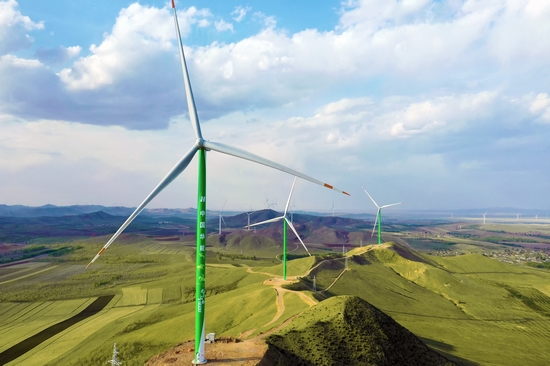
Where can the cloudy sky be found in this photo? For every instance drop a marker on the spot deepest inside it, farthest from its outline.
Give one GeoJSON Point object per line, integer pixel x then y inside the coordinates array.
{"type": "Point", "coordinates": [442, 104]}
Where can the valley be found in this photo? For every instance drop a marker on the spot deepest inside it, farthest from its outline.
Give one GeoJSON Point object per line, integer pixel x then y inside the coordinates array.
{"type": "Point", "coordinates": [467, 306]}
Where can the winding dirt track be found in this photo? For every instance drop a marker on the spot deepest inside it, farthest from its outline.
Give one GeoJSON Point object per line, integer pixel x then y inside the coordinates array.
{"type": "Point", "coordinates": [250, 351]}
{"type": "Point", "coordinates": [277, 283]}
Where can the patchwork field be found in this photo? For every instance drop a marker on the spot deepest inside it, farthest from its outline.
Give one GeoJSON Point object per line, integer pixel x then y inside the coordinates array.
{"type": "Point", "coordinates": [472, 309]}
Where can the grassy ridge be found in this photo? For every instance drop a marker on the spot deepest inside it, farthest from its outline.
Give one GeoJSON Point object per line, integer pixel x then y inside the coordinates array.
{"type": "Point", "coordinates": [461, 306]}
{"type": "Point", "coordinates": [347, 330]}
{"type": "Point", "coordinates": [468, 306]}
{"type": "Point", "coordinates": [153, 309]}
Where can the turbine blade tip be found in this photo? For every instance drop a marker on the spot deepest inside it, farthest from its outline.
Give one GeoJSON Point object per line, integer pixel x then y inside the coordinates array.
{"type": "Point", "coordinates": [89, 264]}
{"type": "Point", "coordinates": [173, 5]}
{"type": "Point", "coordinates": [346, 193]}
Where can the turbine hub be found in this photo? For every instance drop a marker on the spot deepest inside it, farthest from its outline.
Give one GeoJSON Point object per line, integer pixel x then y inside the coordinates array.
{"type": "Point", "coordinates": [200, 142]}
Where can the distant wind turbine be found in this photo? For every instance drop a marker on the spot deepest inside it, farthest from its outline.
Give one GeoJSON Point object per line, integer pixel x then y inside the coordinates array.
{"type": "Point", "coordinates": [270, 204]}
{"type": "Point", "coordinates": [292, 212]}
{"type": "Point", "coordinates": [221, 219]}
{"type": "Point", "coordinates": [200, 148]}
{"type": "Point", "coordinates": [286, 222]}
{"type": "Point", "coordinates": [248, 213]}
{"type": "Point", "coordinates": [379, 216]}
{"type": "Point", "coordinates": [484, 217]}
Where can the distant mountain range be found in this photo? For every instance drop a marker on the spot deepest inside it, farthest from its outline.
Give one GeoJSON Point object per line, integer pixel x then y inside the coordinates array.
{"type": "Point", "coordinates": [57, 211]}
{"type": "Point", "coordinates": [190, 213]}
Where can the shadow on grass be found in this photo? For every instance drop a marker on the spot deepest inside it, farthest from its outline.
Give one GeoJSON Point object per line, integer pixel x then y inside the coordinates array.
{"type": "Point", "coordinates": [444, 348]}
{"type": "Point", "coordinates": [25, 346]}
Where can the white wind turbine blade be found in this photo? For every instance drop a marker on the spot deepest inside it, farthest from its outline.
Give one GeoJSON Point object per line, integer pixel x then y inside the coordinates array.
{"type": "Point", "coordinates": [372, 199]}
{"type": "Point", "coordinates": [296, 233]}
{"type": "Point", "coordinates": [176, 170]}
{"type": "Point", "coordinates": [233, 151]}
{"type": "Point", "coordinates": [275, 219]}
{"type": "Point", "coordinates": [289, 197]}
{"type": "Point", "coordinates": [393, 204]}
{"type": "Point", "coordinates": [375, 221]}
{"type": "Point", "coordinates": [188, 92]}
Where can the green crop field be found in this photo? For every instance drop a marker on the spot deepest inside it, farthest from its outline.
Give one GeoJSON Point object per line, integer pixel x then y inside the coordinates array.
{"type": "Point", "coordinates": [469, 307]}
{"type": "Point", "coordinates": [152, 311]}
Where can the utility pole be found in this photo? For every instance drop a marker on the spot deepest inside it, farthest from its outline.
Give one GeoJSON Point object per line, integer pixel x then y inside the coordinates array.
{"type": "Point", "coordinates": [114, 361]}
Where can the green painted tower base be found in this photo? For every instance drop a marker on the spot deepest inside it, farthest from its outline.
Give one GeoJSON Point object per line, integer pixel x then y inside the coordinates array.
{"type": "Point", "coordinates": [284, 250]}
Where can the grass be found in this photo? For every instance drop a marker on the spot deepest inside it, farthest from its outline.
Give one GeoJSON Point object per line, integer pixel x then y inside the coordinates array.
{"type": "Point", "coordinates": [470, 306]}
{"type": "Point", "coordinates": [347, 331]}
{"type": "Point", "coordinates": [153, 309]}
{"type": "Point", "coordinates": [132, 296]}
{"type": "Point", "coordinates": [295, 267]}
{"type": "Point", "coordinates": [21, 319]}
{"type": "Point", "coordinates": [460, 303]}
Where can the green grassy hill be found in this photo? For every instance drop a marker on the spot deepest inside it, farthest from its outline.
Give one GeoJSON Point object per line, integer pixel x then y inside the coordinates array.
{"type": "Point", "coordinates": [346, 330]}
{"type": "Point", "coordinates": [468, 307]}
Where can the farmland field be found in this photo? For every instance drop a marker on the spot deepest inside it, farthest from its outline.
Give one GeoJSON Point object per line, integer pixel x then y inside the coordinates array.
{"type": "Point", "coordinates": [471, 308]}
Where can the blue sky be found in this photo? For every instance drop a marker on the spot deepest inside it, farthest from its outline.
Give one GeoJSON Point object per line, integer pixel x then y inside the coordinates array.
{"type": "Point", "coordinates": [443, 105]}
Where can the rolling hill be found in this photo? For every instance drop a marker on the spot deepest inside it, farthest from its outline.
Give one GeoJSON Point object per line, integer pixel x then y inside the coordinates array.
{"type": "Point", "coordinates": [347, 330]}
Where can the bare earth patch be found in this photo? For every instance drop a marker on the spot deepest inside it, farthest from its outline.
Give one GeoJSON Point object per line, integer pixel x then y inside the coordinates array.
{"type": "Point", "coordinates": [248, 352]}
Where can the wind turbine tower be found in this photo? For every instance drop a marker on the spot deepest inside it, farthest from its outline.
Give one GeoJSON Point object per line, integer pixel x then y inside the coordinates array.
{"type": "Point", "coordinates": [286, 222]}
{"type": "Point", "coordinates": [314, 284]}
{"type": "Point", "coordinates": [199, 148]}
{"type": "Point", "coordinates": [221, 219]}
{"type": "Point", "coordinates": [379, 216]}
{"type": "Point", "coordinates": [292, 212]}
{"type": "Point", "coordinates": [248, 214]}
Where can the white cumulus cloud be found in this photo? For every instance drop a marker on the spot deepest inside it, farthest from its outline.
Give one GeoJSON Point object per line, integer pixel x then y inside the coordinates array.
{"type": "Point", "coordinates": [14, 27]}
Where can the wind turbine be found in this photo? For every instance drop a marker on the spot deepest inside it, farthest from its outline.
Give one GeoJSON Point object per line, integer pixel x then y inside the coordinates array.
{"type": "Point", "coordinates": [292, 211]}
{"type": "Point", "coordinates": [484, 217]}
{"type": "Point", "coordinates": [270, 204]}
{"type": "Point", "coordinates": [248, 214]}
{"type": "Point", "coordinates": [200, 148]}
{"type": "Point", "coordinates": [286, 222]}
{"type": "Point", "coordinates": [221, 218]}
{"type": "Point", "coordinates": [379, 216]}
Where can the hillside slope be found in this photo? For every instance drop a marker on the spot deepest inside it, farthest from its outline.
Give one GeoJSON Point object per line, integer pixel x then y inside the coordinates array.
{"type": "Point", "coordinates": [347, 330]}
